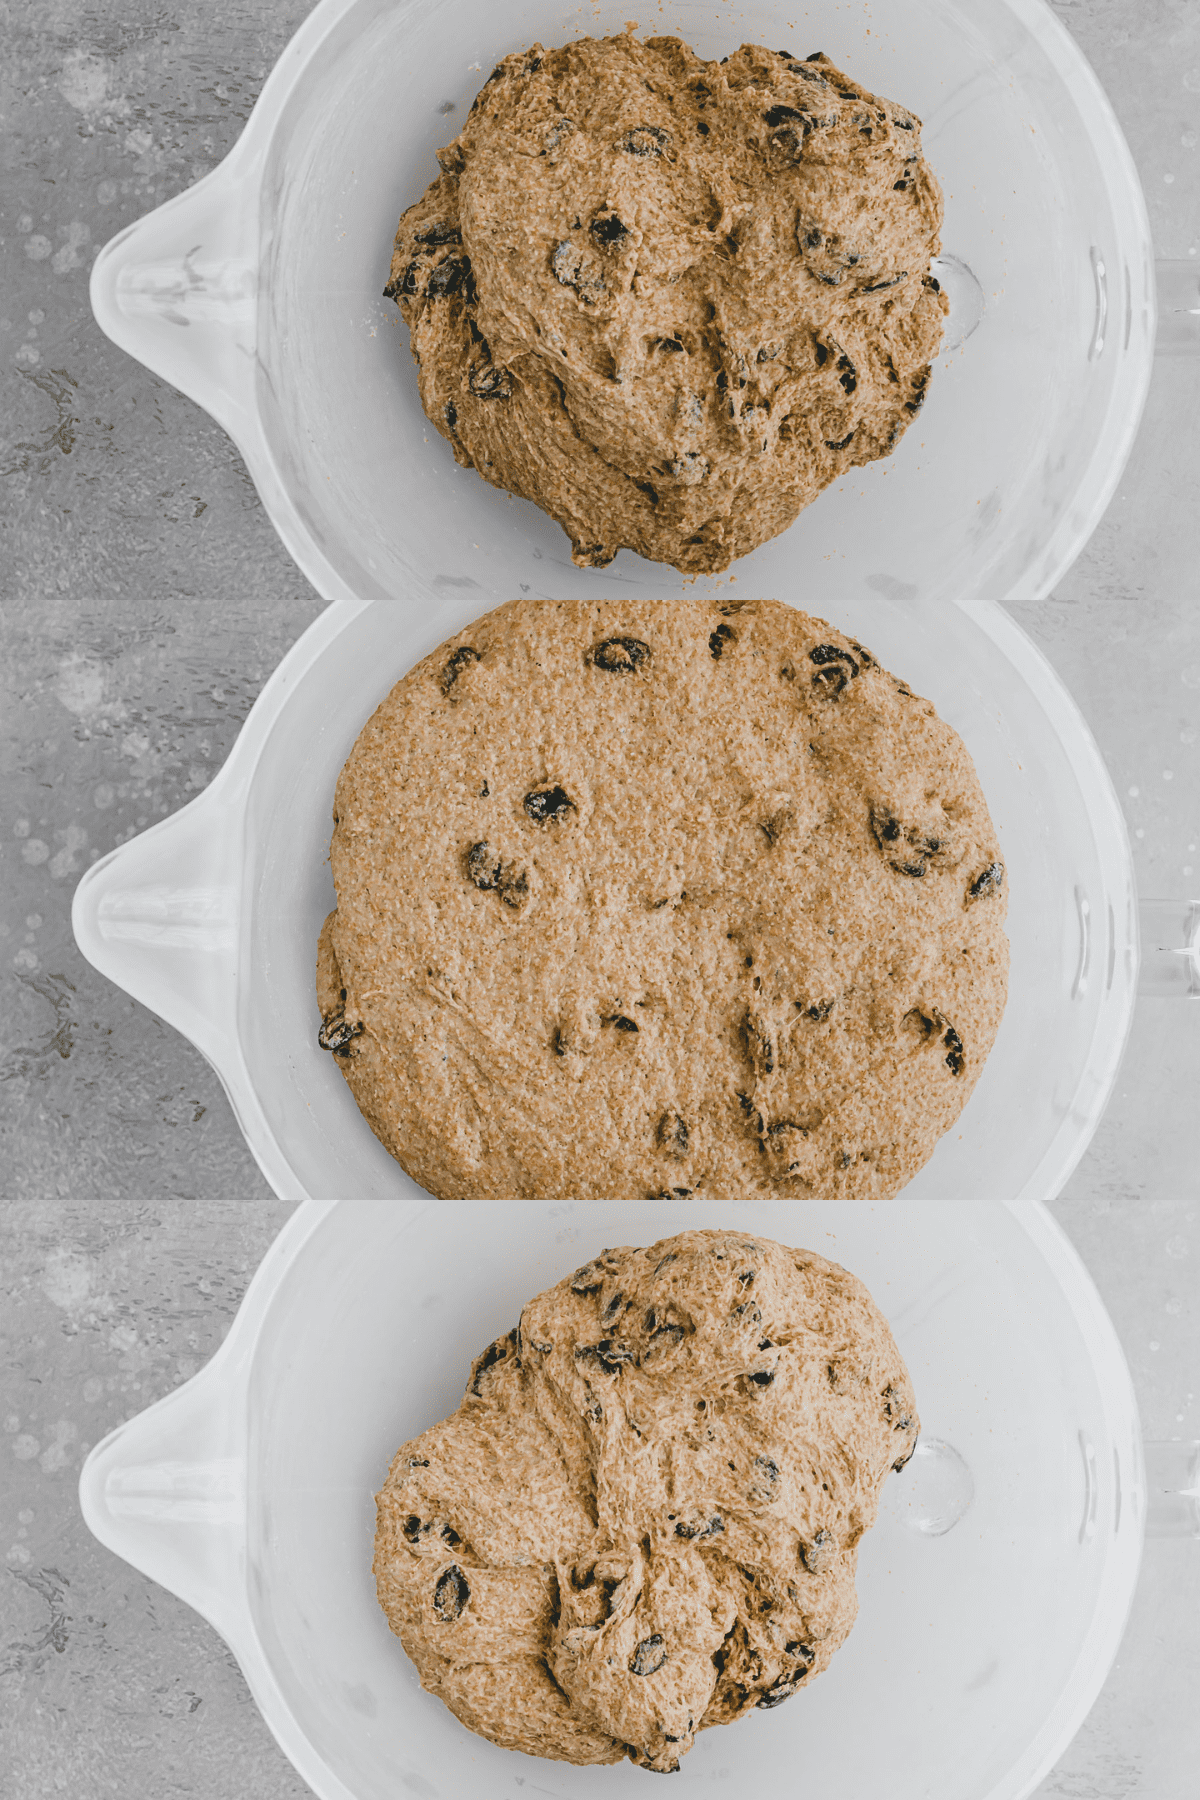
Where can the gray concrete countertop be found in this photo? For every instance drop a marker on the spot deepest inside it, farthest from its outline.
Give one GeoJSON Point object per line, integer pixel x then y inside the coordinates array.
{"type": "Point", "coordinates": [110, 1685]}
{"type": "Point", "coordinates": [147, 597]}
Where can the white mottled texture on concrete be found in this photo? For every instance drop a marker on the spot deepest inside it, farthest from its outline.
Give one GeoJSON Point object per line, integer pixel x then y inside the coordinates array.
{"type": "Point", "coordinates": [110, 1685]}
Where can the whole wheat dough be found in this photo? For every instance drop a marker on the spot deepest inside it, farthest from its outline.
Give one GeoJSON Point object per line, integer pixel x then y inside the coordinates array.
{"type": "Point", "coordinates": [671, 300]}
{"type": "Point", "coordinates": [643, 1519]}
{"type": "Point", "coordinates": [638, 897]}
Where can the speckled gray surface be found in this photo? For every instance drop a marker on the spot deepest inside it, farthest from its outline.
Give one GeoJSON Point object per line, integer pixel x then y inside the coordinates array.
{"type": "Point", "coordinates": [146, 598]}
{"type": "Point", "coordinates": [110, 1685]}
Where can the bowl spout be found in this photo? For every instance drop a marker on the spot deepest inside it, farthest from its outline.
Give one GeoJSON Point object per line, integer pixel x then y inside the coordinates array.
{"type": "Point", "coordinates": [179, 291]}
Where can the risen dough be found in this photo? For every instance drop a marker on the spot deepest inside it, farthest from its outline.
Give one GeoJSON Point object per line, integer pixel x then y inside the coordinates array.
{"type": "Point", "coordinates": [672, 300]}
{"type": "Point", "coordinates": [643, 1519]}
{"type": "Point", "coordinates": [638, 896]}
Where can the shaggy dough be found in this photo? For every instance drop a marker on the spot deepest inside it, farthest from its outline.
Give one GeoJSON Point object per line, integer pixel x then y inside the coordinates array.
{"type": "Point", "coordinates": [643, 1519]}
{"type": "Point", "coordinates": [641, 896]}
{"type": "Point", "coordinates": [671, 300]}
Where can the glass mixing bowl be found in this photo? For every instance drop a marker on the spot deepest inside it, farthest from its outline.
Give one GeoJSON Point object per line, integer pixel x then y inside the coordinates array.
{"type": "Point", "coordinates": [993, 1589]}
{"type": "Point", "coordinates": [211, 917]}
{"type": "Point", "coordinates": [258, 292]}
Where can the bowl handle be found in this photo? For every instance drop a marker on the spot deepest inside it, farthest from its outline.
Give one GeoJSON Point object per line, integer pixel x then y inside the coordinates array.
{"type": "Point", "coordinates": [161, 917]}
{"type": "Point", "coordinates": [1178, 288]}
{"type": "Point", "coordinates": [178, 290]}
{"type": "Point", "coordinates": [166, 1491]}
{"type": "Point", "coordinates": [1170, 934]}
{"type": "Point", "coordinates": [1173, 1489]}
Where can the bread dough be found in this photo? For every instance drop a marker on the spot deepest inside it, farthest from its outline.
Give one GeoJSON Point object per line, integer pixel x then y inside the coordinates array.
{"type": "Point", "coordinates": [639, 897]}
{"type": "Point", "coordinates": [643, 1519]}
{"type": "Point", "coordinates": [671, 300]}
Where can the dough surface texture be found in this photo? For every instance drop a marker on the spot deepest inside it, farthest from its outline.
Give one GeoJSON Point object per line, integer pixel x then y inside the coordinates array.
{"type": "Point", "coordinates": [643, 1519]}
{"type": "Point", "coordinates": [669, 300]}
{"type": "Point", "coordinates": [641, 897]}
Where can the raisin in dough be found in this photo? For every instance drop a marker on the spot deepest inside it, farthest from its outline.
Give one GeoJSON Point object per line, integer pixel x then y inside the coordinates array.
{"type": "Point", "coordinates": [638, 897]}
{"type": "Point", "coordinates": [671, 300]}
{"type": "Point", "coordinates": [643, 1519]}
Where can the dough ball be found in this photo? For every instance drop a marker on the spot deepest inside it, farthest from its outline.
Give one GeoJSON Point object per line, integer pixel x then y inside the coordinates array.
{"type": "Point", "coordinates": [671, 300]}
{"type": "Point", "coordinates": [644, 1517]}
{"type": "Point", "coordinates": [641, 897]}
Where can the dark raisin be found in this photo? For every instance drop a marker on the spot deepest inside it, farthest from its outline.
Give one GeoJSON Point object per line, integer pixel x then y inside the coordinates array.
{"type": "Point", "coordinates": [933, 282]}
{"type": "Point", "coordinates": [450, 1595]}
{"type": "Point", "coordinates": [620, 655]}
{"type": "Point", "coordinates": [802, 1652]}
{"type": "Point", "coordinates": [336, 1035]}
{"type": "Point", "coordinates": [673, 1135]}
{"type": "Point", "coordinates": [721, 636]}
{"type": "Point", "coordinates": [483, 866]}
{"type": "Point", "coordinates": [487, 382]}
{"type": "Point", "coordinates": [649, 1656]}
{"type": "Point", "coordinates": [835, 668]}
{"type": "Point", "coordinates": [451, 414]}
{"type": "Point", "coordinates": [746, 1277]}
{"type": "Point", "coordinates": [989, 882]}
{"type": "Point", "coordinates": [818, 1555]}
{"type": "Point", "coordinates": [822, 353]}
{"type": "Point", "coordinates": [841, 442]}
{"type": "Point", "coordinates": [846, 370]}
{"type": "Point", "coordinates": [415, 1528]}
{"type": "Point", "coordinates": [403, 284]}
{"type": "Point", "coordinates": [767, 1468]}
{"type": "Point", "coordinates": [609, 1355]}
{"type": "Point", "coordinates": [588, 1279]}
{"type": "Point", "coordinates": [818, 1011]}
{"type": "Point", "coordinates": [440, 232]}
{"type": "Point", "coordinates": [646, 140]}
{"type": "Point", "coordinates": [497, 1352]}
{"type": "Point", "coordinates": [612, 1309]}
{"type": "Point", "coordinates": [778, 114]}
{"type": "Point", "coordinates": [919, 386]}
{"type": "Point", "coordinates": [905, 1459]}
{"type": "Point", "coordinates": [877, 287]}
{"type": "Point", "coordinates": [608, 230]}
{"type": "Point", "coordinates": [546, 806]}
{"type": "Point", "coordinates": [888, 831]}
{"type": "Point", "coordinates": [707, 1528]}
{"type": "Point", "coordinates": [702, 128]}
{"type": "Point", "coordinates": [895, 1409]}
{"type": "Point", "coordinates": [621, 1022]}
{"type": "Point", "coordinates": [456, 662]}
{"type": "Point", "coordinates": [447, 278]}
{"type": "Point", "coordinates": [900, 187]}
{"type": "Point", "coordinates": [775, 1696]}
{"type": "Point", "coordinates": [817, 56]}
{"type": "Point", "coordinates": [763, 1377]}
{"type": "Point", "coordinates": [956, 1060]}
